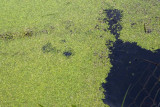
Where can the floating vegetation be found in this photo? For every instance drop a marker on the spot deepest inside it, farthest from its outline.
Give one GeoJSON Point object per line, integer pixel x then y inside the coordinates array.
{"type": "Point", "coordinates": [134, 79]}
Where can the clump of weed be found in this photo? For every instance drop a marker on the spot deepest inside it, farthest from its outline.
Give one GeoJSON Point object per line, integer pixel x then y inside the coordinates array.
{"type": "Point", "coordinates": [7, 36]}
{"type": "Point", "coordinates": [28, 32]}
{"type": "Point", "coordinates": [12, 35]}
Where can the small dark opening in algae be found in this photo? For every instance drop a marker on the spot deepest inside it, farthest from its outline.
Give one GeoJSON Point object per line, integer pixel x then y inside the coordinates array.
{"type": "Point", "coordinates": [67, 54]}
{"type": "Point", "coordinates": [134, 79]}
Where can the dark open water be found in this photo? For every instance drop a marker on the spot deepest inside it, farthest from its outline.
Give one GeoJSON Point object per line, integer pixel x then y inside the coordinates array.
{"type": "Point", "coordinates": [134, 79]}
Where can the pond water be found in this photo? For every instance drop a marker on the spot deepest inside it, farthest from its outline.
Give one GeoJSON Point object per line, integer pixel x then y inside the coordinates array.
{"type": "Point", "coordinates": [134, 79]}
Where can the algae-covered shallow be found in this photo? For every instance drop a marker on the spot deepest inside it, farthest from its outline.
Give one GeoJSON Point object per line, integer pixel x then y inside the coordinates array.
{"type": "Point", "coordinates": [53, 53]}
{"type": "Point", "coordinates": [47, 53]}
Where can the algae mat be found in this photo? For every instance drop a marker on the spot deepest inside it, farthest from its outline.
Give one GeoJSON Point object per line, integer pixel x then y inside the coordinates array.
{"type": "Point", "coordinates": [53, 53]}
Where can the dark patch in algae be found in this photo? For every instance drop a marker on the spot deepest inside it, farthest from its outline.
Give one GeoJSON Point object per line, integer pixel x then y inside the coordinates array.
{"type": "Point", "coordinates": [113, 19]}
{"type": "Point", "coordinates": [134, 79]}
{"type": "Point", "coordinates": [68, 52]}
{"type": "Point", "coordinates": [48, 48]}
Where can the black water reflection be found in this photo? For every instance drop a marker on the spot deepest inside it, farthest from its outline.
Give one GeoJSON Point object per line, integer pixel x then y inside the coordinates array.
{"type": "Point", "coordinates": [134, 79]}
